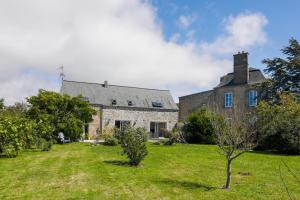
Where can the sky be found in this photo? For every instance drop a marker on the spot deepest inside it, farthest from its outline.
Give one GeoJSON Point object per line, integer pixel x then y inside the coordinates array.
{"type": "Point", "coordinates": [183, 46]}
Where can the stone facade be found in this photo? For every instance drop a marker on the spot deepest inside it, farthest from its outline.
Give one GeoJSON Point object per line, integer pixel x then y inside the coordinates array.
{"type": "Point", "coordinates": [239, 84]}
{"type": "Point", "coordinates": [106, 117]}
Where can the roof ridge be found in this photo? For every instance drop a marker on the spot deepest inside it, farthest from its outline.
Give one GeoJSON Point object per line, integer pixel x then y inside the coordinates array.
{"type": "Point", "coordinates": [116, 85]}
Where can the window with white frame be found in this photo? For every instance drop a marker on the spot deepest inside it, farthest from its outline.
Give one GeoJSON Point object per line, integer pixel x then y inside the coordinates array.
{"type": "Point", "coordinates": [228, 100]}
{"type": "Point", "coordinates": [252, 98]}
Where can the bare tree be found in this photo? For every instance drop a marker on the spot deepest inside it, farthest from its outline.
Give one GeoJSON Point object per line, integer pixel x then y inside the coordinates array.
{"type": "Point", "coordinates": [233, 138]}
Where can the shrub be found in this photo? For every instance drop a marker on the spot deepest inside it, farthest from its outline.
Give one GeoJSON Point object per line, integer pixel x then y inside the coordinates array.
{"type": "Point", "coordinates": [199, 129]}
{"type": "Point", "coordinates": [133, 143]}
{"type": "Point", "coordinates": [111, 142]}
{"type": "Point", "coordinates": [108, 133]}
{"type": "Point", "coordinates": [15, 134]}
{"type": "Point", "coordinates": [278, 126]}
{"type": "Point", "coordinates": [43, 144]}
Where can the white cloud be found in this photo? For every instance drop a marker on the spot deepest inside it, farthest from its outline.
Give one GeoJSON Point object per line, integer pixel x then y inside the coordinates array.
{"type": "Point", "coordinates": [242, 32]}
{"type": "Point", "coordinates": [185, 21]}
{"type": "Point", "coordinates": [115, 40]}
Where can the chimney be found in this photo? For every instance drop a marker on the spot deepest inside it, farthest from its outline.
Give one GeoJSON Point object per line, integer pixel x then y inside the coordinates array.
{"type": "Point", "coordinates": [240, 68]}
{"type": "Point", "coordinates": [105, 84]}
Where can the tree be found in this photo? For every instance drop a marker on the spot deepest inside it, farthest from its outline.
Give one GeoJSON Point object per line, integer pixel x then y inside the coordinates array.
{"type": "Point", "coordinates": [233, 139]}
{"type": "Point", "coordinates": [284, 73]}
{"type": "Point", "coordinates": [198, 128]}
{"type": "Point", "coordinates": [64, 113]}
{"type": "Point", "coordinates": [278, 126]}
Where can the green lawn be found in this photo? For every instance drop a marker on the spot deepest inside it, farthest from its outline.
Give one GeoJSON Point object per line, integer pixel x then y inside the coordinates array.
{"type": "Point", "coordinates": [84, 171]}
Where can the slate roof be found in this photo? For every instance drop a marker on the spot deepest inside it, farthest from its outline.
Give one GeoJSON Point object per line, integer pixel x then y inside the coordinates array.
{"type": "Point", "coordinates": [98, 94]}
{"type": "Point", "coordinates": [255, 76]}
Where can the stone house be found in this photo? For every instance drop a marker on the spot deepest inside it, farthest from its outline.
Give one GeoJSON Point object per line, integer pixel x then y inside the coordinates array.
{"type": "Point", "coordinates": [235, 95]}
{"type": "Point", "coordinates": [117, 106]}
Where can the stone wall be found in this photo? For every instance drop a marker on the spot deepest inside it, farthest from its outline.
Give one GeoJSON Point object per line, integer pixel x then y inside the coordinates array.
{"type": "Point", "coordinates": [94, 126]}
{"type": "Point", "coordinates": [141, 118]}
{"type": "Point", "coordinates": [214, 100]}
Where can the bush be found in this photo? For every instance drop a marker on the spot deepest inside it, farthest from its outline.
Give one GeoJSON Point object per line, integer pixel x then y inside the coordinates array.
{"type": "Point", "coordinates": [199, 129]}
{"type": "Point", "coordinates": [16, 133]}
{"type": "Point", "coordinates": [133, 142]}
{"type": "Point", "coordinates": [278, 126]}
{"type": "Point", "coordinates": [111, 142]}
{"type": "Point", "coordinates": [43, 144]}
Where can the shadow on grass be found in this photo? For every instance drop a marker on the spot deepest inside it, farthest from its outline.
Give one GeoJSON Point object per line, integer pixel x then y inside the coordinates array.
{"type": "Point", "coordinates": [270, 152]}
{"type": "Point", "coordinates": [118, 163]}
{"type": "Point", "coordinates": [187, 184]}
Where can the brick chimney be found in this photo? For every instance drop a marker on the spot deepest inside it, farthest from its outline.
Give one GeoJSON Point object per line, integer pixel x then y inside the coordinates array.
{"type": "Point", "coordinates": [240, 68]}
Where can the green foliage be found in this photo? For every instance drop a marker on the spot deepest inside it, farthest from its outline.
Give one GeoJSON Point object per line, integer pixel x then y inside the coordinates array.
{"type": "Point", "coordinates": [199, 129]}
{"type": "Point", "coordinates": [278, 126]}
{"type": "Point", "coordinates": [284, 73]}
{"type": "Point", "coordinates": [133, 142]}
{"type": "Point", "coordinates": [111, 141]}
{"type": "Point", "coordinates": [59, 113]}
{"type": "Point", "coordinates": [174, 136]}
{"type": "Point", "coordinates": [43, 144]}
{"type": "Point", "coordinates": [16, 133]}
{"type": "Point", "coordinates": [1, 104]}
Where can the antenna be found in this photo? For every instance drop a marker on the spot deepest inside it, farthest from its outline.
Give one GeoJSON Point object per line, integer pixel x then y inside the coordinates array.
{"type": "Point", "coordinates": [61, 73]}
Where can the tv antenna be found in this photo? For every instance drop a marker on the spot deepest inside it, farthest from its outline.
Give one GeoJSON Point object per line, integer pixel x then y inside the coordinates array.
{"type": "Point", "coordinates": [61, 73]}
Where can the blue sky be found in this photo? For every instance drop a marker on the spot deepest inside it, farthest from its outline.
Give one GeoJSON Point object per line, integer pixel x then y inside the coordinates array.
{"type": "Point", "coordinates": [283, 21]}
{"type": "Point", "coordinates": [181, 45]}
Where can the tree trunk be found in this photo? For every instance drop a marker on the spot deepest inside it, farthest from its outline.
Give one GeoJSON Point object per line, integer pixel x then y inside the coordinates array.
{"type": "Point", "coordinates": [227, 186]}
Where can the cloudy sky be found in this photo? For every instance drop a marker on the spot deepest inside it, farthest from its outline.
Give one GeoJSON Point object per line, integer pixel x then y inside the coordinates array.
{"type": "Point", "coordinates": [184, 46]}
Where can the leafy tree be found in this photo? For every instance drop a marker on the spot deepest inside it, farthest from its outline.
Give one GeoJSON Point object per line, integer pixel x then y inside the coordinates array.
{"type": "Point", "coordinates": [284, 73]}
{"type": "Point", "coordinates": [15, 134]}
{"type": "Point", "coordinates": [198, 129]}
{"type": "Point", "coordinates": [233, 139]}
{"type": "Point", "coordinates": [133, 142]}
{"type": "Point", "coordinates": [61, 112]}
{"type": "Point", "coordinates": [278, 126]}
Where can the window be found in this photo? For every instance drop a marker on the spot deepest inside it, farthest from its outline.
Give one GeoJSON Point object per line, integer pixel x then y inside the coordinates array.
{"type": "Point", "coordinates": [228, 100]}
{"type": "Point", "coordinates": [113, 102]}
{"type": "Point", "coordinates": [157, 104]}
{"type": "Point", "coordinates": [129, 103]}
{"type": "Point", "coordinates": [252, 98]}
{"type": "Point", "coordinates": [121, 124]}
{"type": "Point", "coordinates": [157, 129]}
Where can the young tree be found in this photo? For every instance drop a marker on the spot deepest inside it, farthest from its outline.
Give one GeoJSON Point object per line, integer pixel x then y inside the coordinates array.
{"type": "Point", "coordinates": [233, 139]}
{"type": "Point", "coordinates": [284, 73]}
{"type": "Point", "coordinates": [133, 142]}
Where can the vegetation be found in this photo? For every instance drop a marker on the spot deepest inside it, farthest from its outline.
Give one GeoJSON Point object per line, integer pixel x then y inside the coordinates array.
{"type": "Point", "coordinates": [37, 125]}
{"type": "Point", "coordinates": [64, 113]}
{"type": "Point", "coordinates": [284, 73]}
{"type": "Point", "coordinates": [278, 126]}
{"type": "Point", "coordinates": [233, 138]}
{"type": "Point", "coordinates": [84, 171]}
{"type": "Point", "coordinates": [198, 129]}
{"type": "Point", "coordinates": [133, 142]}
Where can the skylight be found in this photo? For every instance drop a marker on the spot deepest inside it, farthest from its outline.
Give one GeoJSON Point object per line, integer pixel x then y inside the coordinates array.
{"type": "Point", "coordinates": [157, 104]}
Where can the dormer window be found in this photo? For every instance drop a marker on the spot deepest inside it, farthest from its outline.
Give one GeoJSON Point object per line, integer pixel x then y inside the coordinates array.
{"type": "Point", "coordinates": [156, 104]}
{"type": "Point", "coordinates": [129, 103]}
{"type": "Point", "coordinates": [113, 102]}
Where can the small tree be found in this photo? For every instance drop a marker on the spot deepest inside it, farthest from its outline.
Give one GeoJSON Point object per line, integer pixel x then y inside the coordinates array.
{"type": "Point", "coordinates": [133, 142]}
{"type": "Point", "coordinates": [233, 139]}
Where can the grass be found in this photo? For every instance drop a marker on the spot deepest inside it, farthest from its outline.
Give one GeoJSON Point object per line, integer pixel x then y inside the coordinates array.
{"type": "Point", "coordinates": [84, 171]}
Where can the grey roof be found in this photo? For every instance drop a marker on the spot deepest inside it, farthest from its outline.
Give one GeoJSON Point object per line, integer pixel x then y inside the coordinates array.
{"type": "Point", "coordinates": [255, 76]}
{"type": "Point", "coordinates": [98, 94]}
